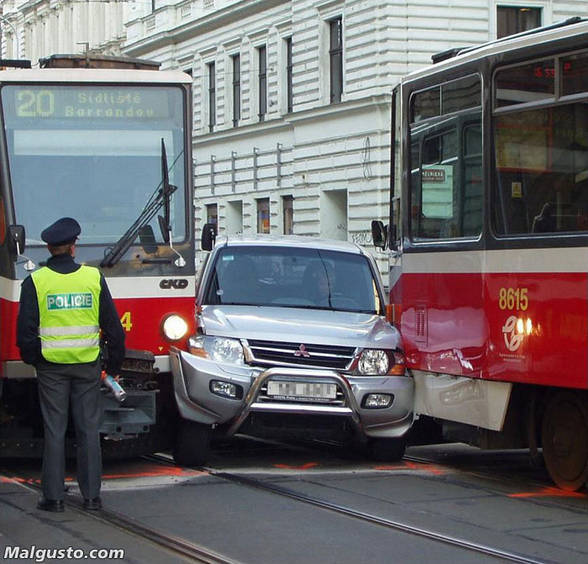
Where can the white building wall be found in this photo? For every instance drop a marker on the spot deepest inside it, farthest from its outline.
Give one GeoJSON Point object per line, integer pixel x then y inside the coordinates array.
{"type": "Point", "coordinates": [327, 156]}
{"type": "Point", "coordinates": [47, 27]}
{"type": "Point", "coordinates": [331, 155]}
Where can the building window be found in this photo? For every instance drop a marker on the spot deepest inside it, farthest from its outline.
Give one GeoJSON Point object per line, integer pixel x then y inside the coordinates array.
{"type": "Point", "coordinates": [262, 60]}
{"type": "Point", "coordinates": [211, 96]}
{"type": "Point", "coordinates": [236, 89]}
{"type": "Point", "coordinates": [289, 91]}
{"type": "Point", "coordinates": [288, 214]}
{"type": "Point", "coordinates": [336, 58]}
{"type": "Point", "coordinates": [263, 215]}
{"type": "Point", "coordinates": [515, 19]}
{"type": "Point", "coordinates": [212, 214]}
{"type": "Point", "coordinates": [234, 217]}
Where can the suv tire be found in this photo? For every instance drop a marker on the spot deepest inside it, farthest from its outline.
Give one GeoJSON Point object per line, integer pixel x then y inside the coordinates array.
{"type": "Point", "coordinates": [192, 446]}
{"type": "Point", "coordinates": [386, 450]}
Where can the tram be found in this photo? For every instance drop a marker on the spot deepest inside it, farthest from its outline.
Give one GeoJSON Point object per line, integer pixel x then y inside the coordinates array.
{"type": "Point", "coordinates": [488, 244]}
{"type": "Point", "coordinates": [107, 141]}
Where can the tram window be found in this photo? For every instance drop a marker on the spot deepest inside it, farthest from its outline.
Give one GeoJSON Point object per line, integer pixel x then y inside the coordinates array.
{"type": "Point", "coordinates": [434, 213]}
{"type": "Point", "coordinates": [449, 97]}
{"type": "Point", "coordinates": [574, 72]}
{"type": "Point", "coordinates": [525, 83]}
{"type": "Point", "coordinates": [461, 94]}
{"type": "Point", "coordinates": [473, 186]}
{"type": "Point", "coordinates": [426, 104]}
{"type": "Point", "coordinates": [541, 181]}
{"type": "Point", "coordinates": [447, 191]}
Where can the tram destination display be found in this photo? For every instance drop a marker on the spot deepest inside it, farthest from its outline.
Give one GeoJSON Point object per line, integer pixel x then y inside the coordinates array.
{"type": "Point", "coordinates": [83, 102]}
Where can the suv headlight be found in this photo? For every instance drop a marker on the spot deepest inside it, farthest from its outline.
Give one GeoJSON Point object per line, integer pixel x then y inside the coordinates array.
{"type": "Point", "coordinates": [219, 349]}
{"type": "Point", "coordinates": [378, 362]}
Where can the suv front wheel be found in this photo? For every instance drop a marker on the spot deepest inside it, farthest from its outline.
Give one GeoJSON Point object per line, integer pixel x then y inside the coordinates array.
{"type": "Point", "coordinates": [192, 444]}
{"type": "Point", "coordinates": [386, 450]}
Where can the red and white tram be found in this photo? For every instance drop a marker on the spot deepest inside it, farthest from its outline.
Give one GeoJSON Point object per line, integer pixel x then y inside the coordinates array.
{"type": "Point", "coordinates": [488, 242]}
{"type": "Point", "coordinates": [110, 145]}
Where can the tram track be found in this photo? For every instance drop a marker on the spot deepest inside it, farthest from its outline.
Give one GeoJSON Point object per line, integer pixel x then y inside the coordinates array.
{"type": "Point", "coordinates": [197, 553]}
{"type": "Point", "coordinates": [480, 549]}
{"type": "Point", "coordinates": [176, 545]}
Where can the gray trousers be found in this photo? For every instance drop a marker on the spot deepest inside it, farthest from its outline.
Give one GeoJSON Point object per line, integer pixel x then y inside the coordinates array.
{"type": "Point", "coordinates": [78, 385]}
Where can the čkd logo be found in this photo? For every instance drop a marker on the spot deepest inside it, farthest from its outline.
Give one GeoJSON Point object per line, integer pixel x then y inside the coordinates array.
{"type": "Point", "coordinates": [173, 284]}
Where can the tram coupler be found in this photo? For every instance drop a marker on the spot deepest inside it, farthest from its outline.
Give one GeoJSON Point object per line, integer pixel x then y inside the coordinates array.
{"type": "Point", "coordinates": [138, 412]}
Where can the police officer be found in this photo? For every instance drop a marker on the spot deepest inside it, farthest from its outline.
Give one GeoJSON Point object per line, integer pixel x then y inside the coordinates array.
{"type": "Point", "coordinates": [64, 308]}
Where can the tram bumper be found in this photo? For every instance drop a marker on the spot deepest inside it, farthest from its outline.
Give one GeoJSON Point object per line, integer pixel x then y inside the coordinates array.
{"type": "Point", "coordinates": [217, 394]}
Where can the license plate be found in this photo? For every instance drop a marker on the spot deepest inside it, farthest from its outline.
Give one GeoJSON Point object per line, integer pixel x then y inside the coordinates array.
{"type": "Point", "coordinates": [301, 390]}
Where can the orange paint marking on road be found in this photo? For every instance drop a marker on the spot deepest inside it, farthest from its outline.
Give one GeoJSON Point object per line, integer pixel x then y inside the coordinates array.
{"type": "Point", "coordinates": [18, 480]}
{"type": "Point", "coordinates": [11, 480]}
{"type": "Point", "coordinates": [306, 466]}
{"type": "Point", "coordinates": [548, 492]}
{"type": "Point", "coordinates": [408, 465]}
{"type": "Point", "coordinates": [155, 472]}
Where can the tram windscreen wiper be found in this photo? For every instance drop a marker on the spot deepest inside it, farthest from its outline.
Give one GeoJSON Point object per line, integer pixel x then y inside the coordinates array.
{"type": "Point", "coordinates": [160, 198]}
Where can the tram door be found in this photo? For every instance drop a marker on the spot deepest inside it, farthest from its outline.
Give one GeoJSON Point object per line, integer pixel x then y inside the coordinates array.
{"type": "Point", "coordinates": [443, 323]}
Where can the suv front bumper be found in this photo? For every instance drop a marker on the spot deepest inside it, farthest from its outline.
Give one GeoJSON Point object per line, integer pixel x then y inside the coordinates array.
{"type": "Point", "coordinates": [193, 376]}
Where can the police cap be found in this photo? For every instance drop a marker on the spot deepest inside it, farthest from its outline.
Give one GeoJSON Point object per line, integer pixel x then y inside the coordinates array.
{"type": "Point", "coordinates": [62, 232]}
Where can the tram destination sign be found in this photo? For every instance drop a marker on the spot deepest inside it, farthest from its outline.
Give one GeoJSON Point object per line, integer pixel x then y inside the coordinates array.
{"type": "Point", "coordinates": [81, 102]}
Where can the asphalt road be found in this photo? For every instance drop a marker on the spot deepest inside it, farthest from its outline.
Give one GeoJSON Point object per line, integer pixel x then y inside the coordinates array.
{"type": "Point", "coordinates": [495, 500]}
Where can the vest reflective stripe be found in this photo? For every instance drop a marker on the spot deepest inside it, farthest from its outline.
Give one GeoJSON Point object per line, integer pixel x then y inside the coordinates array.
{"type": "Point", "coordinates": [67, 343]}
{"type": "Point", "coordinates": [63, 331]}
{"type": "Point", "coordinates": [68, 314]}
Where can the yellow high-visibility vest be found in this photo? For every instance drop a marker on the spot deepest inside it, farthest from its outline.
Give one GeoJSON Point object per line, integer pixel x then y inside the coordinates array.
{"type": "Point", "coordinates": [69, 325]}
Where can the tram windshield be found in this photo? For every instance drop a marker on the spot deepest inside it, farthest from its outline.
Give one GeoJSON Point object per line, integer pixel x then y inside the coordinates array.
{"type": "Point", "coordinates": [93, 153]}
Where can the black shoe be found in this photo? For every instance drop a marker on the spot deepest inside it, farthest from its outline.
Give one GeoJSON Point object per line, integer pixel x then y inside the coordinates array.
{"type": "Point", "coordinates": [54, 505]}
{"type": "Point", "coordinates": [93, 504]}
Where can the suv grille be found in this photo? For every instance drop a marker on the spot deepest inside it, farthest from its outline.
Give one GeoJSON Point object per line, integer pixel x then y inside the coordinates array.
{"type": "Point", "coordinates": [272, 353]}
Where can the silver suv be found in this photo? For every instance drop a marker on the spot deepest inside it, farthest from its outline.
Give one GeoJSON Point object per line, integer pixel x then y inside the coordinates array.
{"type": "Point", "coordinates": [292, 340]}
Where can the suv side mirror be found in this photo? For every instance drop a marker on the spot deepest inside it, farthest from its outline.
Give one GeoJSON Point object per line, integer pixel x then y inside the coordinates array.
{"type": "Point", "coordinates": [16, 239]}
{"type": "Point", "coordinates": [379, 234]}
{"type": "Point", "coordinates": [208, 236]}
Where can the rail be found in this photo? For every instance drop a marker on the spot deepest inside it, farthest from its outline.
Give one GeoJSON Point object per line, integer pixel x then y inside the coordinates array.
{"type": "Point", "coordinates": [502, 555]}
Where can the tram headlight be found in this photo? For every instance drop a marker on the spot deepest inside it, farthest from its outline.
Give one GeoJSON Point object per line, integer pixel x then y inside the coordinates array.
{"type": "Point", "coordinates": [219, 349]}
{"type": "Point", "coordinates": [378, 362]}
{"type": "Point", "coordinates": [174, 327]}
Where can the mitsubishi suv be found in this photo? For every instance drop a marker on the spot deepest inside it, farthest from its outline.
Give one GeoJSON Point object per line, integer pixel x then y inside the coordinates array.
{"type": "Point", "coordinates": [292, 341]}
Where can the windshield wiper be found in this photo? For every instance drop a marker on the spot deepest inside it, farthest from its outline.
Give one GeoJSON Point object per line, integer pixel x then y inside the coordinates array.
{"type": "Point", "coordinates": [162, 198]}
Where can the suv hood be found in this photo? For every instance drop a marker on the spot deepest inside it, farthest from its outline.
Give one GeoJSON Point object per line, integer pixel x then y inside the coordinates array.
{"type": "Point", "coordinates": [299, 325]}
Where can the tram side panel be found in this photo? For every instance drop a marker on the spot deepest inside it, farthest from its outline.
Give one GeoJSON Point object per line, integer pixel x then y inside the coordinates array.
{"type": "Point", "coordinates": [538, 327]}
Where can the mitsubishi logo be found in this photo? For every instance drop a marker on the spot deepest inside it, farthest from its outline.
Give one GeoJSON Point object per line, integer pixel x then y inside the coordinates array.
{"type": "Point", "coordinates": [302, 352]}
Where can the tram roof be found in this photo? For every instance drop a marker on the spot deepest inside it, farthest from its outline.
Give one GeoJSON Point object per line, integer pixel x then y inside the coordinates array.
{"type": "Point", "coordinates": [119, 76]}
{"type": "Point", "coordinates": [547, 34]}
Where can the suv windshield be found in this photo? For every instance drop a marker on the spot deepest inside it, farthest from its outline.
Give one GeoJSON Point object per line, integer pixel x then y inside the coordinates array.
{"type": "Point", "coordinates": [93, 153]}
{"type": "Point", "coordinates": [292, 277]}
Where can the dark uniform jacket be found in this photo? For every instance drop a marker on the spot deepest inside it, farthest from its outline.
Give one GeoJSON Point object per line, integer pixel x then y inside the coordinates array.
{"type": "Point", "coordinates": [28, 339]}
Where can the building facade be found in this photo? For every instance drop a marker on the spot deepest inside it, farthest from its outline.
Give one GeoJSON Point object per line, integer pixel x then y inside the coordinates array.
{"type": "Point", "coordinates": [37, 28]}
{"type": "Point", "coordinates": [291, 104]}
